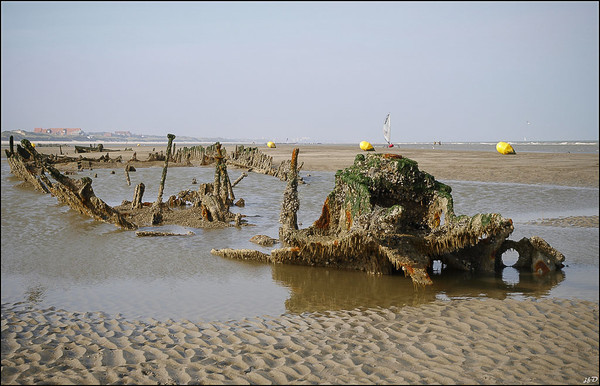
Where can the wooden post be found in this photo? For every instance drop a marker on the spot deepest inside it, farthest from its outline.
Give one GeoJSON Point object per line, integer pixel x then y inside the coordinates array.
{"type": "Point", "coordinates": [137, 196]}
{"type": "Point", "coordinates": [222, 185]}
{"type": "Point", "coordinates": [12, 145]}
{"type": "Point", "coordinates": [229, 196]}
{"type": "Point", "coordinates": [127, 175]}
{"type": "Point", "coordinates": [217, 182]}
{"type": "Point", "coordinates": [288, 217]}
{"type": "Point", "coordinates": [171, 137]}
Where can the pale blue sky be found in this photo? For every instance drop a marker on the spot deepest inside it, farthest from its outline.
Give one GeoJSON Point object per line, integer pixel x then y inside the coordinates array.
{"type": "Point", "coordinates": [448, 71]}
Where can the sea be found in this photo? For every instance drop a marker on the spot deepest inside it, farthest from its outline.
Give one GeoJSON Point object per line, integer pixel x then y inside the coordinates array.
{"type": "Point", "coordinates": [54, 257]}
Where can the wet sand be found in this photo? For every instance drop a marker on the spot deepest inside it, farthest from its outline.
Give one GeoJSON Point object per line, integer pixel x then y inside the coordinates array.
{"type": "Point", "coordinates": [460, 342]}
{"type": "Point", "coordinates": [545, 341]}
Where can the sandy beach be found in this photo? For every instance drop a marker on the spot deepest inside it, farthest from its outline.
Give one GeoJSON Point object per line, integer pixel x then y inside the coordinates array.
{"type": "Point", "coordinates": [470, 341]}
{"type": "Point", "coordinates": [462, 342]}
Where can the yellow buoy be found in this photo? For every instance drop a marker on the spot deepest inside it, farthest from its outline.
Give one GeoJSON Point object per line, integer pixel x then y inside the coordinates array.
{"type": "Point", "coordinates": [504, 148]}
{"type": "Point", "coordinates": [366, 146]}
{"type": "Point", "coordinates": [271, 144]}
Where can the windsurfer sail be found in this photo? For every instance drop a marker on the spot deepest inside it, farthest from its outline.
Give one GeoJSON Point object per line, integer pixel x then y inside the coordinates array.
{"type": "Point", "coordinates": [387, 128]}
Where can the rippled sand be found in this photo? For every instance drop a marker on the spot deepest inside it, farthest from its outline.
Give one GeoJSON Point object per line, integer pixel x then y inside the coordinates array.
{"type": "Point", "coordinates": [466, 341]}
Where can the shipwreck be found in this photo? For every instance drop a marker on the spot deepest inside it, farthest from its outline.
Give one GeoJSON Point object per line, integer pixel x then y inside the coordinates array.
{"type": "Point", "coordinates": [208, 207]}
{"type": "Point", "coordinates": [385, 215]}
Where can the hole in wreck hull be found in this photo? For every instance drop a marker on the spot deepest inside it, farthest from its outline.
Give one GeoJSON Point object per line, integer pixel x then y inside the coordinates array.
{"type": "Point", "coordinates": [510, 257]}
{"type": "Point", "coordinates": [437, 266]}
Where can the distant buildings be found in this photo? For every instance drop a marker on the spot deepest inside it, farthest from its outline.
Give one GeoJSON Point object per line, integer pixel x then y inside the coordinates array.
{"type": "Point", "coordinates": [78, 131]}
{"type": "Point", "coordinates": [59, 131]}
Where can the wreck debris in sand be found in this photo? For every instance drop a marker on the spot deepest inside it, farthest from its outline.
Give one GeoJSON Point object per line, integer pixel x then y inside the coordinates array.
{"type": "Point", "coordinates": [209, 205]}
{"type": "Point", "coordinates": [91, 149]}
{"type": "Point", "coordinates": [384, 214]}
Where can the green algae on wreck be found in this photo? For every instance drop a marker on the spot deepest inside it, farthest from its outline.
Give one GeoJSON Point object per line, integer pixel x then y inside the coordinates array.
{"type": "Point", "coordinates": [385, 215]}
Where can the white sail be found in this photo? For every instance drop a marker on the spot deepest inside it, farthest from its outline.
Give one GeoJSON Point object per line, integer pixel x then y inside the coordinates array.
{"type": "Point", "coordinates": [387, 128]}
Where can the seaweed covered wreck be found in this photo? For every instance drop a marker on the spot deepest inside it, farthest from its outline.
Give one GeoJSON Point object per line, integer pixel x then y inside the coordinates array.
{"type": "Point", "coordinates": [385, 215]}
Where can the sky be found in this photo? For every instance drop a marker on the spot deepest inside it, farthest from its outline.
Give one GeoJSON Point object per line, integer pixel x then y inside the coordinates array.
{"type": "Point", "coordinates": [304, 71]}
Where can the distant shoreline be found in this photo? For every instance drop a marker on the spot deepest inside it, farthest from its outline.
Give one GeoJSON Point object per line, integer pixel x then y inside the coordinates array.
{"type": "Point", "coordinates": [61, 140]}
{"type": "Point", "coordinates": [564, 169]}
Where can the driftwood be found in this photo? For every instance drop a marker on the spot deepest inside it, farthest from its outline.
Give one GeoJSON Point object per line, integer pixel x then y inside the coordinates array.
{"type": "Point", "coordinates": [384, 215]}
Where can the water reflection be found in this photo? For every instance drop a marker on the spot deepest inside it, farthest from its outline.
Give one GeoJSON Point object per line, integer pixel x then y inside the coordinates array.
{"type": "Point", "coordinates": [315, 289]}
{"type": "Point", "coordinates": [507, 283]}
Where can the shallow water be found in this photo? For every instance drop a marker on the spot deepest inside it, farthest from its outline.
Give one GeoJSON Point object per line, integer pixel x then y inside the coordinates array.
{"type": "Point", "coordinates": [54, 257]}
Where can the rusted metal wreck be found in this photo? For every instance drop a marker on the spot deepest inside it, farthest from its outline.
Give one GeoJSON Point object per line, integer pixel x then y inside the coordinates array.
{"type": "Point", "coordinates": [385, 215]}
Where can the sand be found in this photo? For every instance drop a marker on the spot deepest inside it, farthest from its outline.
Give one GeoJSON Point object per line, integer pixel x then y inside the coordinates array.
{"type": "Point", "coordinates": [567, 169]}
{"type": "Point", "coordinates": [471, 341]}
{"type": "Point", "coordinates": [489, 341]}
